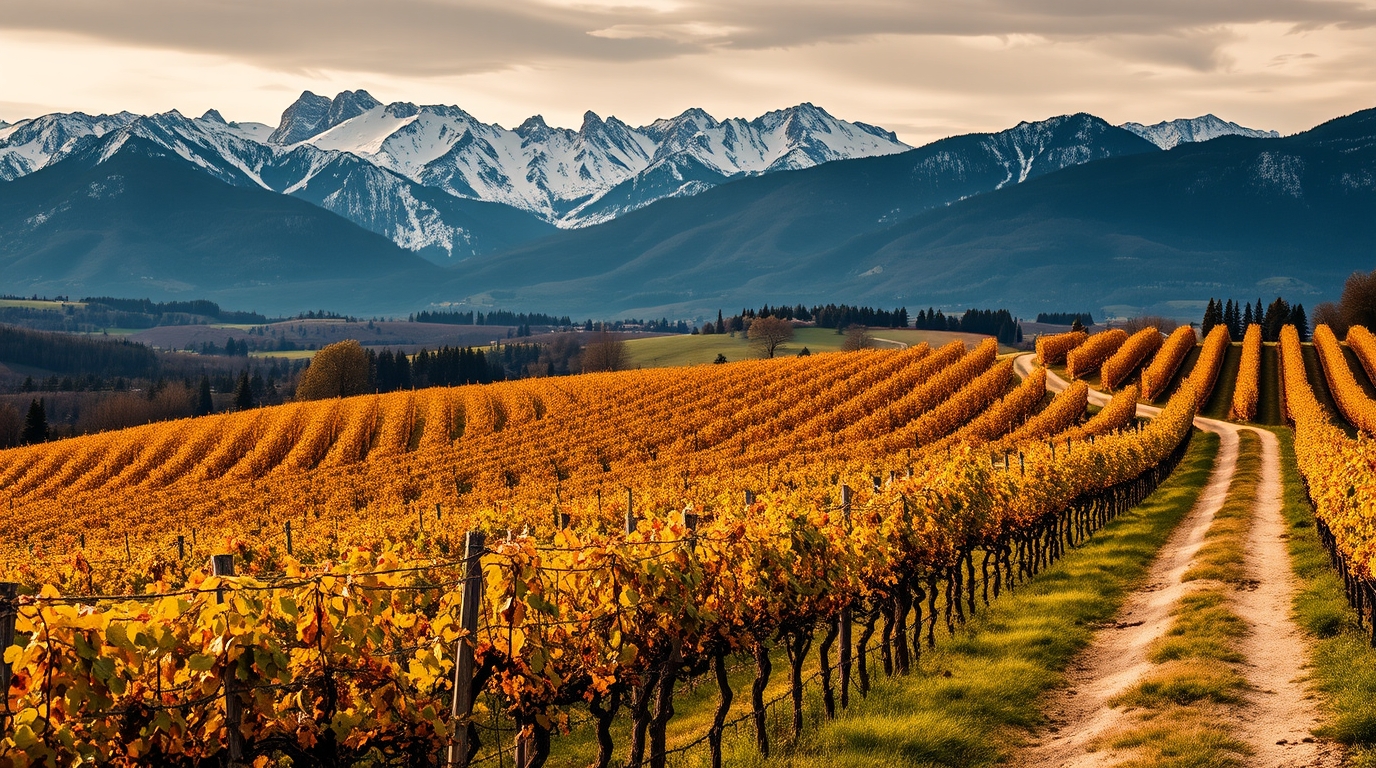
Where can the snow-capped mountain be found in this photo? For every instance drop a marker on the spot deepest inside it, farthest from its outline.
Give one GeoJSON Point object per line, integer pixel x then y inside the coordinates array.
{"type": "Point", "coordinates": [437, 181]}
{"type": "Point", "coordinates": [29, 145]}
{"type": "Point", "coordinates": [1170, 133]}
{"type": "Point", "coordinates": [560, 174]}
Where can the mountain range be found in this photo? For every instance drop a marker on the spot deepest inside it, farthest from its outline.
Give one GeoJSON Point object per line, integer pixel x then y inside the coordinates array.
{"type": "Point", "coordinates": [677, 217]}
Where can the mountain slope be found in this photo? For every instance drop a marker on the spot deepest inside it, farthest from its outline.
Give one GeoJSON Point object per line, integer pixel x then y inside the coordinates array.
{"type": "Point", "coordinates": [697, 251]}
{"type": "Point", "coordinates": [1161, 232]}
{"type": "Point", "coordinates": [561, 175]}
{"type": "Point", "coordinates": [1170, 133]}
{"type": "Point", "coordinates": [142, 221]}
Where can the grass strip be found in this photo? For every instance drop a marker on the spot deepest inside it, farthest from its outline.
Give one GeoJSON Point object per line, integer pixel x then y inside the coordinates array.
{"type": "Point", "coordinates": [973, 697]}
{"type": "Point", "coordinates": [1342, 661]}
{"type": "Point", "coordinates": [1221, 399]}
{"type": "Point", "coordinates": [1186, 704]}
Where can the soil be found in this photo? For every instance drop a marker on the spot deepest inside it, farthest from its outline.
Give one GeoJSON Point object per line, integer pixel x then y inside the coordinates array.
{"type": "Point", "coordinates": [1279, 715]}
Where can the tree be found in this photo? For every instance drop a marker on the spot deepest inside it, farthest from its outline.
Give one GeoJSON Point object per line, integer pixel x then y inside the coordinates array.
{"type": "Point", "coordinates": [36, 423]}
{"type": "Point", "coordinates": [1358, 303]}
{"type": "Point", "coordinates": [857, 338]}
{"type": "Point", "coordinates": [1077, 325]}
{"type": "Point", "coordinates": [1330, 314]}
{"type": "Point", "coordinates": [1300, 321]}
{"type": "Point", "coordinates": [339, 370]}
{"type": "Point", "coordinates": [11, 426]}
{"type": "Point", "coordinates": [1210, 318]}
{"type": "Point", "coordinates": [243, 393]}
{"type": "Point", "coordinates": [1276, 317]}
{"type": "Point", "coordinates": [720, 359]}
{"type": "Point", "coordinates": [804, 352]}
{"type": "Point", "coordinates": [767, 334]}
{"type": "Point", "coordinates": [204, 404]}
{"type": "Point", "coordinates": [606, 352]}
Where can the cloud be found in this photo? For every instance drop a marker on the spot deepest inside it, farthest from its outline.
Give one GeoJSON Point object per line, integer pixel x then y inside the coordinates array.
{"type": "Point", "coordinates": [450, 37]}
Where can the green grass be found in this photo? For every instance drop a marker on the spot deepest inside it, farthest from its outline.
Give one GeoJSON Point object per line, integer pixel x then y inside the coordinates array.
{"type": "Point", "coordinates": [974, 696]}
{"type": "Point", "coordinates": [1181, 373]}
{"type": "Point", "coordinates": [1221, 399]}
{"type": "Point", "coordinates": [1313, 368]}
{"type": "Point", "coordinates": [1268, 390]}
{"type": "Point", "coordinates": [1359, 371]}
{"type": "Point", "coordinates": [56, 306]}
{"type": "Point", "coordinates": [676, 350]}
{"type": "Point", "coordinates": [1224, 554]}
{"type": "Point", "coordinates": [1343, 662]}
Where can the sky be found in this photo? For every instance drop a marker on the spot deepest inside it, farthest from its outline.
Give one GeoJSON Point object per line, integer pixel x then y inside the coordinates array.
{"type": "Point", "coordinates": [925, 69]}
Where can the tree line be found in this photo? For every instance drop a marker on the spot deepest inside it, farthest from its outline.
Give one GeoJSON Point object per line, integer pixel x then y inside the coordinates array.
{"type": "Point", "coordinates": [1236, 317]}
{"type": "Point", "coordinates": [495, 317]}
{"type": "Point", "coordinates": [1065, 318]}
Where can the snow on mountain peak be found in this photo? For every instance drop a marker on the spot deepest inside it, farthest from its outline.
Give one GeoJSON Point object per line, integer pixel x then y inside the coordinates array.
{"type": "Point", "coordinates": [553, 172]}
{"type": "Point", "coordinates": [1171, 133]}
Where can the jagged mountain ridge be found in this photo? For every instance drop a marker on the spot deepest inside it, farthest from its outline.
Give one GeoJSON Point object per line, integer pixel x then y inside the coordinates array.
{"type": "Point", "coordinates": [439, 227]}
{"type": "Point", "coordinates": [685, 251]}
{"type": "Point", "coordinates": [562, 175]}
{"type": "Point", "coordinates": [532, 173]}
{"type": "Point", "coordinates": [1138, 231]}
{"type": "Point", "coordinates": [1169, 134]}
{"type": "Point", "coordinates": [134, 218]}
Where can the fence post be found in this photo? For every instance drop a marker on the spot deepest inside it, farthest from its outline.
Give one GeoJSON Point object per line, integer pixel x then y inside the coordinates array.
{"type": "Point", "coordinates": [630, 511]}
{"type": "Point", "coordinates": [128, 554]}
{"type": "Point", "coordinates": [181, 547]}
{"type": "Point", "coordinates": [9, 607]}
{"type": "Point", "coordinates": [223, 565]}
{"type": "Point", "coordinates": [462, 704]}
{"type": "Point", "coordinates": [844, 620]}
{"type": "Point", "coordinates": [287, 527]}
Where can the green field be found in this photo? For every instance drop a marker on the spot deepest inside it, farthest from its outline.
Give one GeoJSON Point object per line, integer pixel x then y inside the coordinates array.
{"type": "Point", "coordinates": [55, 306]}
{"type": "Point", "coordinates": [668, 351]}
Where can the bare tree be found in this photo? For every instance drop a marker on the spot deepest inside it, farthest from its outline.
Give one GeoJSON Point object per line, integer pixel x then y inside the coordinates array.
{"type": "Point", "coordinates": [606, 352]}
{"type": "Point", "coordinates": [1359, 300]}
{"type": "Point", "coordinates": [767, 334]}
{"type": "Point", "coordinates": [1162, 324]}
{"type": "Point", "coordinates": [1331, 315]}
{"type": "Point", "coordinates": [11, 426]}
{"type": "Point", "coordinates": [857, 338]}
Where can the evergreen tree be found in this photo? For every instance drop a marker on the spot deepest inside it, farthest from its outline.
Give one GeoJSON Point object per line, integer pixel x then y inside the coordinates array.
{"type": "Point", "coordinates": [36, 423]}
{"type": "Point", "coordinates": [1077, 325]}
{"type": "Point", "coordinates": [1277, 315]}
{"type": "Point", "coordinates": [1301, 321]}
{"type": "Point", "coordinates": [1247, 318]}
{"type": "Point", "coordinates": [1232, 320]}
{"type": "Point", "coordinates": [1258, 314]}
{"type": "Point", "coordinates": [243, 393]}
{"type": "Point", "coordinates": [1209, 322]}
{"type": "Point", "coordinates": [204, 404]}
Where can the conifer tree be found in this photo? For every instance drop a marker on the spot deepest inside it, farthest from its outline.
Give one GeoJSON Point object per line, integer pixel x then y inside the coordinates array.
{"type": "Point", "coordinates": [36, 423]}
{"type": "Point", "coordinates": [243, 393]}
{"type": "Point", "coordinates": [204, 404]}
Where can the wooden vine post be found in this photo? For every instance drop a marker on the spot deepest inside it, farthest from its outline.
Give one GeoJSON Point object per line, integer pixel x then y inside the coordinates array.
{"type": "Point", "coordinates": [9, 608]}
{"type": "Point", "coordinates": [223, 565]}
{"type": "Point", "coordinates": [461, 707]}
{"type": "Point", "coordinates": [845, 619]}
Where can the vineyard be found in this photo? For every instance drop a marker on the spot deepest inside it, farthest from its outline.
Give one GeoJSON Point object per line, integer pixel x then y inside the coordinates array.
{"type": "Point", "coordinates": [394, 573]}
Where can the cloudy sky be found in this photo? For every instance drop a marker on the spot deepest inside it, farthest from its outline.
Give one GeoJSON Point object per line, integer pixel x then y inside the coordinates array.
{"type": "Point", "coordinates": [923, 68]}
